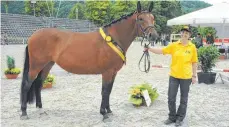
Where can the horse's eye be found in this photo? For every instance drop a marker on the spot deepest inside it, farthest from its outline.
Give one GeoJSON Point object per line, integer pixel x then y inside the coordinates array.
{"type": "Point", "coordinates": [141, 19]}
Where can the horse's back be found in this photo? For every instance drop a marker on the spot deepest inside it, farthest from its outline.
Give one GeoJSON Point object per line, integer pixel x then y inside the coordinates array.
{"type": "Point", "coordinates": [48, 33]}
{"type": "Point", "coordinates": [57, 35]}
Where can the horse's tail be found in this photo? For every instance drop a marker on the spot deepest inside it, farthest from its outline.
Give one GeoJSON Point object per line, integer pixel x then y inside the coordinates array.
{"type": "Point", "coordinates": [25, 73]}
{"type": "Point", "coordinates": [31, 92]}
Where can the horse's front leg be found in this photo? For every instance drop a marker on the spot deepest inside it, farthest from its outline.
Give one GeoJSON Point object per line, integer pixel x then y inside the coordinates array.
{"type": "Point", "coordinates": [107, 84]}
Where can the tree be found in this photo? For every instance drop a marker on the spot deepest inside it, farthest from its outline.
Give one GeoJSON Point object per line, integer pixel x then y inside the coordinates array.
{"type": "Point", "coordinates": [96, 11]}
{"type": "Point", "coordinates": [79, 13]}
{"type": "Point", "coordinates": [120, 8]}
{"type": "Point", "coordinates": [176, 29]}
{"type": "Point", "coordinates": [14, 7]}
{"type": "Point", "coordinates": [103, 12]}
{"type": "Point", "coordinates": [205, 30]}
{"type": "Point", "coordinates": [163, 11]}
{"type": "Point", "coordinates": [42, 8]}
{"type": "Point", "coordinates": [169, 10]}
{"type": "Point", "coordinates": [6, 3]}
{"type": "Point", "coordinates": [65, 8]}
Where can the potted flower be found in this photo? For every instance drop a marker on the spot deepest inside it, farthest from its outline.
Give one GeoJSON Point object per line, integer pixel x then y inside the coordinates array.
{"type": "Point", "coordinates": [11, 72]}
{"type": "Point", "coordinates": [207, 57]}
{"type": "Point", "coordinates": [49, 81]}
{"type": "Point", "coordinates": [136, 95]}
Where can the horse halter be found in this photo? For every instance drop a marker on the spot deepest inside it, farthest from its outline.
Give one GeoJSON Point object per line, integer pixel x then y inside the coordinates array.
{"type": "Point", "coordinates": [141, 28]}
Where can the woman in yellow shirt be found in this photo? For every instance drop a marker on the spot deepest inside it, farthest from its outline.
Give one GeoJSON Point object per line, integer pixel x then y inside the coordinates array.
{"type": "Point", "coordinates": [182, 73]}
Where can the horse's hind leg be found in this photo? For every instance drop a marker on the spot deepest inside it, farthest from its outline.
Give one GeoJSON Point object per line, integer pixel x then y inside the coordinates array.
{"type": "Point", "coordinates": [38, 83]}
{"type": "Point", "coordinates": [31, 85]}
{"type": "Point", "coordinates": [31, 70]}
{"type": "Point", "coordinates": [107, 84]}
{"type": "Point", "coordinates": [27, 91]}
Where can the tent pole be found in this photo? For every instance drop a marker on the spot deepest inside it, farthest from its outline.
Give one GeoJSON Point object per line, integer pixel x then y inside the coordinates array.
{"type": "Point", "coordinates": [223, 25]}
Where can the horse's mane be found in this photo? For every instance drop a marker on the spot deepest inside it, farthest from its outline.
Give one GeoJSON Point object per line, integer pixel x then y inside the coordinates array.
{"type": "Point", "coordinates": [120, 19]}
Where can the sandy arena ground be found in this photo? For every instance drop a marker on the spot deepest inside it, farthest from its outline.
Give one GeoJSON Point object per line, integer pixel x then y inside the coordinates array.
{"type": "Point", "coordinates": [75, 100]}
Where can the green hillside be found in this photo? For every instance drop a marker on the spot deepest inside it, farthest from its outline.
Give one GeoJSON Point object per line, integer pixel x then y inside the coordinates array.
{"type": "Point", "coordinates": [190, 6]}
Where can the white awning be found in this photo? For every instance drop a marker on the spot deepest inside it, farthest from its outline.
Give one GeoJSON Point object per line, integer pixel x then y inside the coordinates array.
{"type": "Point", "coordinates": [216, 16]}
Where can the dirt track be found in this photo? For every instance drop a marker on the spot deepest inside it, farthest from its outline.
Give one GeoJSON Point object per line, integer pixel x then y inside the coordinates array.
{"type": "Point", "coordinates": [75, 99]}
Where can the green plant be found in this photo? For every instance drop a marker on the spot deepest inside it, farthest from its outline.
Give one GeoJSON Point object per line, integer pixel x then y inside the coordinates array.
{"type": "Point", "coordinates": [195, 43]}
{"type": "Point", "coordinates": [11, 66]}
{"type": "Point", "coordinates": [10, 62]}
{"type": "Point", "coordinates": [50, 79]}
{"type": "Point", "coordinates": [136, 96]}
{"type": "Point", "coordinates": [207, 57]}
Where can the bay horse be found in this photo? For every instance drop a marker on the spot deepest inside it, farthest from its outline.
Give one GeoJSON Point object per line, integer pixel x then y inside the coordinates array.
{"type": "Point", "coordinates": [99, 52]}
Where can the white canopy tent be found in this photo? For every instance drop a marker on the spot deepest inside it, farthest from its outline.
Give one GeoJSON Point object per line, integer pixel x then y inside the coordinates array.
{"type": "Point", "coordinates": [216, 16]}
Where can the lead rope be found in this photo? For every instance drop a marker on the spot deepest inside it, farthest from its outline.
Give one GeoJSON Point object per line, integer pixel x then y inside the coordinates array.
{"type": "Point", "coordinates": [146, 57]}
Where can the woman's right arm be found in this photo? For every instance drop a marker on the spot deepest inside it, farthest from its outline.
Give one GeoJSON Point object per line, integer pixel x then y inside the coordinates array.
{"type": "Point", "coordinates": [156, 50]}
{"type": "Point", "coordinates": [166, 50]}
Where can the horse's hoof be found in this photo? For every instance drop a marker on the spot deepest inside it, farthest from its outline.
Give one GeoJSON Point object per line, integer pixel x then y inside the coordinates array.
{"type": "Point", "coordinates": [24, 117]}
{"type": "Point", "coordinates": [109, 111]}
{"type": "Point", "coordinates": [105, 116]}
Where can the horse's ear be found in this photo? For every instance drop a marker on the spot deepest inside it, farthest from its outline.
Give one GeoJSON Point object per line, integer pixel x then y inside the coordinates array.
{"type": "Point", "coordinates": [139, 7]}
{"type": "Point", "coordinates": [151, 6]}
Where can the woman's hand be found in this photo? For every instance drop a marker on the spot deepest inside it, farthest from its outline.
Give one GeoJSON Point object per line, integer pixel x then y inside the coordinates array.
{"type": "Point", "coordinates": [193, 79]}
{"type": "Point", "coordinates": [146, 49]}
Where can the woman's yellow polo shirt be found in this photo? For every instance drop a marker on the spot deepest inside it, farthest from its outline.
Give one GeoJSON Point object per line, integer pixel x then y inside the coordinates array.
{"type": "Point", "coordinates": [182, 59]}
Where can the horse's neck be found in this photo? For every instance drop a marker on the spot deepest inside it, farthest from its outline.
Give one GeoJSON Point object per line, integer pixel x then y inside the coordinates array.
{"type": "Point", "coordinates": [125, 32]}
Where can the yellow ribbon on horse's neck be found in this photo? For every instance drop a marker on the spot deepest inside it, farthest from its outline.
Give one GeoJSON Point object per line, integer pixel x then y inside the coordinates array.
{"type": "Point", "coordinates": [108, 40]}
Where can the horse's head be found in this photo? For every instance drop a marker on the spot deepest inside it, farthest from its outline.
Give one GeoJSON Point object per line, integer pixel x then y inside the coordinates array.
{"type": "Point", "coordinates": [145, 23]}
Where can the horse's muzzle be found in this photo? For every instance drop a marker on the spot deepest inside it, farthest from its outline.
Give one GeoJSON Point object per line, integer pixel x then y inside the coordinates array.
{"type": "Point", "coordinates": [152, 36]}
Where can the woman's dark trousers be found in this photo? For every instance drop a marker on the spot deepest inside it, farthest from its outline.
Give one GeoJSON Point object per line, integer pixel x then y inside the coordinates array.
{"type": "Point", "coordinates": [174, 84]}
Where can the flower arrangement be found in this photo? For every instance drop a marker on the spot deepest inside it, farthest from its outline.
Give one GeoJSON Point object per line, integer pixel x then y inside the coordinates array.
{"type": "Point", "coordinates": [11, 72]}
{"type": "Point", "coordinates": [49, 81]}
{"type": "Point", "coordinates": [136, 95]}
